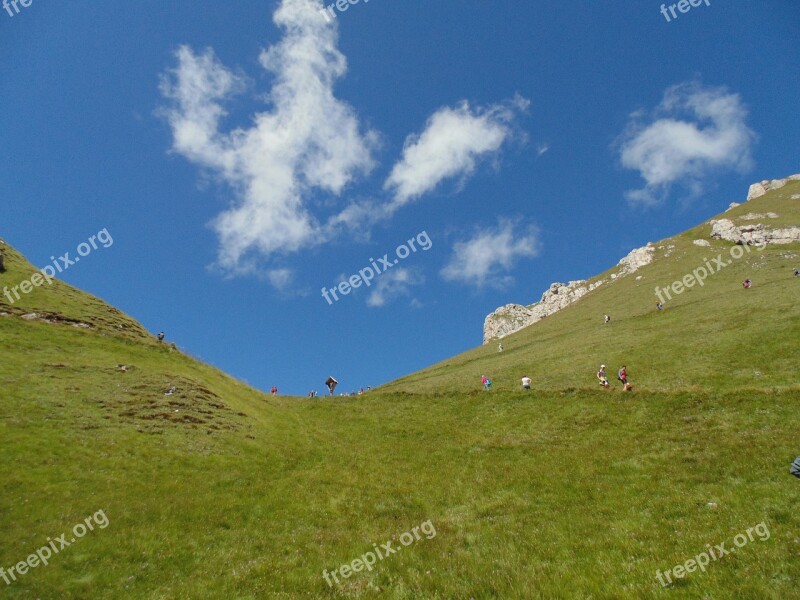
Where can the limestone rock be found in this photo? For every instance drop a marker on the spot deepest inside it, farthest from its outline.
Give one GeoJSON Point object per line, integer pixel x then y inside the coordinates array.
{"type": "Point", "coordinates": [759, 189]}
{"type": "Point", "coordinates": [637, 259]}
{"type": "Point", "coordinates": [704, 243]}
{"type": "Point", "coordinates": [754, 216]}
{"type": "Point", "coordinates": [513, 317]}
{"type": "Point", "coordinates": [505, 320]}
{"type": "Point", "coordinates": [755, 234]}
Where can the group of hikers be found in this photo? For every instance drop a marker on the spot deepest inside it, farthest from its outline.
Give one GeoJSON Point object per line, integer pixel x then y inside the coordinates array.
{"type": "Point", "coordinates": [331, 384]}
{"type": "Point", "coordinates": [622, 376]}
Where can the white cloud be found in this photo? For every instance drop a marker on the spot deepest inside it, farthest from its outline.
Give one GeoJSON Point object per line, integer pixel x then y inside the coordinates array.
{"type": "Point", "coordinates": [490, 254]}
{"type": "Point", "coordinates": [305, 142]}
{"type": "Point", "coordinates": [392, 285]}
{"type": "Point", "coordinates": [453, 141]}
{"type": "Point", "coordinates": [307, 139]}
{"type": "Point", "coordinates": [280, 278]}
{"type": "Point", "coordinates": [694, 131]}
{"type": "Point", "coordinates": [541, 149]}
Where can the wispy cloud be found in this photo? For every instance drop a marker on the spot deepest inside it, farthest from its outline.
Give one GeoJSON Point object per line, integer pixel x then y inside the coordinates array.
{"type": "Point", "coordinates": [693, 132]}
{"type": "Point", "coordinates": [541, 149]}
{"type": "Point", "coordinates": [280, 278]}
{"type": "Point", "coordinates": [486, 258]}
{"type": "Point", "coordinates": [453, 142]}
{"type": "Point", "coordinates": [392, 285]}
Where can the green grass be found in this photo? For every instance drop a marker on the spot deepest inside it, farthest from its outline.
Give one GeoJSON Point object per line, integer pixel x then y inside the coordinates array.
{"type": "Point", "coordinates": [566, 491]}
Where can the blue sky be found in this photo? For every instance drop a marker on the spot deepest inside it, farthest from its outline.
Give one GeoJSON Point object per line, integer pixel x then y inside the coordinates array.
{"type": "Point", "coordinates": [245, 155]}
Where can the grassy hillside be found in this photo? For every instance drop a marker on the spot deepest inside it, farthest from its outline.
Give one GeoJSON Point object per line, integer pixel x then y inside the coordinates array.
{"type": "Point", "coordinates": [716, 336]}
{"type": "Point", "coordinates": [219, 491]}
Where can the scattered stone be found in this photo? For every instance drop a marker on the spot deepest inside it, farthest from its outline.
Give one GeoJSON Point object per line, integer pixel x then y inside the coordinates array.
{"type": "Point", "coordinates": [754, 216]}
{"type": "Point", "coordinates": [732, 206]}
{"type": "Point", "coordinates": [704, 243]}
{"type": "Point", "coordinates": [30, 317]}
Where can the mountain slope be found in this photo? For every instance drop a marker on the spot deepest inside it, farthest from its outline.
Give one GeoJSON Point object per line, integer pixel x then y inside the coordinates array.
{"type": "Point", "coordinates": [712, 336]}
{"type": "Point", "coordinates": [567, 491]}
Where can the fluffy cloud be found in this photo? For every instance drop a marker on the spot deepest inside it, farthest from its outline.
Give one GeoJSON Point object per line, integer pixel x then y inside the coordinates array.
{"type": "Point", "coordinates": [694, 131]}
{"type": "Point", "coordinates": [392, 285]}
{"type": "Point", "coordinates": [453, 141]}
{"type": "Point", "coordinates": [307, 139]}
{"type": "Point", "coordinates": [307, 142]}
{"type": "Point", "coordinates": [490, 254]}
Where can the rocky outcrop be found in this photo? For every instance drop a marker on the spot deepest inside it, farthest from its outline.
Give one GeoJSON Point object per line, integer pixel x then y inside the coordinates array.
{"type": "Point", "coordinates": [756, 234]}
{"type": "Point", "coordinates": [513, 317]}
{"type": "Point", "coordinates": [636, 260]}
{"type": "Point", "coordinates": [759, 189]}
{"type": "Point", "coordinates": [506, 320]}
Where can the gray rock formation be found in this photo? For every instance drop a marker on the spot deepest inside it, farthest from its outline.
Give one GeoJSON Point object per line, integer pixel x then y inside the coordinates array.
{"type": "Point", "coordinates": [755, 234]}
{"type": "Point", "coordinates": [513, 317]}
{"type": "Point", "coordinates": [637, 259]}
{"type": "Point", "coordinates": [759, 189]}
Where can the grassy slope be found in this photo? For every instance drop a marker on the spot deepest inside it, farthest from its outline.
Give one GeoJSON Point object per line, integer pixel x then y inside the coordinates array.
{"type": "Point", "coordinates": [564, 492]}
{"type": "Point", "coordinates": [716, 336]}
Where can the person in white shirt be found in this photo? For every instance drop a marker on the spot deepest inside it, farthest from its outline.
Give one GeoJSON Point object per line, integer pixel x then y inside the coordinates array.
{"type": "Point", "coordinates": [526, 383]}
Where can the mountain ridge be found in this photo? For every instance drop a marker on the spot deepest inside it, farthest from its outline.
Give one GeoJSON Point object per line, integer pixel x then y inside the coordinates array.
{"type": "Point", "coordinates": [511, 318]}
